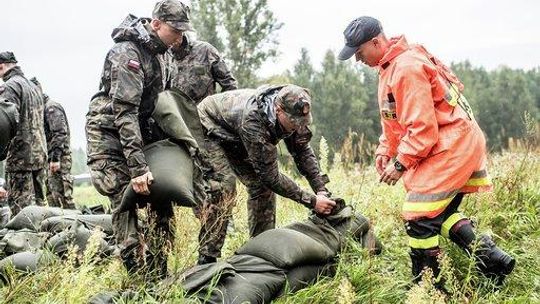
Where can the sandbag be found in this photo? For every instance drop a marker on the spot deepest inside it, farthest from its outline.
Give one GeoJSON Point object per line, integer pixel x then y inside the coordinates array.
{"type": "Point", "coordinates": [77, 235]}
{"type": "Point", "coordinates": [57, 224]}
{"type": "Point", "coordinates": [26, 261]}
{"type": "Point", "coordinates": [31, 217]}
{"type": "Point", "coordinates": [178, 117]}
{"type": "Point", "coordinates": [9, 118]}
{"type": "Point", "coordinates": [287, 248]}
{"type": "Point", "coordinates": [302, 276]}
{"type": "Point", "coordinates": [172, 168]}
{"type": "Point", "coordinates": [22, 240]}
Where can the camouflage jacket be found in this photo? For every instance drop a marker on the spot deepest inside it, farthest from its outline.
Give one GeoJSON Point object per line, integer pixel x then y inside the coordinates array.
{"type": "Point", "coordinates": [131, 81]}
{"type": "Point", "coordinates": [56, 130]}
{"type": "Point", "coordinates": [196, 68]}
{"type": "Point", "coordinates": [241, 122]}
{"type": "Point", "coordinates": [27, 150]}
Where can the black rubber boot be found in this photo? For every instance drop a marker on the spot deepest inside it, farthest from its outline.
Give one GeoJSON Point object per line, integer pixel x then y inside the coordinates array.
{"type": "Point", "coordinates": [462, 234]}
{"type": "Point", "coordinates": [492, 261]}
{"type": "Point", "coordinates": [426, 258]}
{"type": "Point", "coordinates": [205, 259]}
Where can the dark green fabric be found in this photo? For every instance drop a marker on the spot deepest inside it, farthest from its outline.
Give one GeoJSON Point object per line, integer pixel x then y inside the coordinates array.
{"type": "Point", "coordinates": [22, 240]}
{"type": "Point", "coordinates": [287, 248]}
{"type": "Point", "coordinates": [177, 116]}
{"type": "Point", "coordinates": [9, 117]}
{"type": "Point", "coordinates": [31, 217]}
{"type": "Point", "coordinates": [57, 224]}
{"type": "Point", "coordinates": [302, 276]}
{"type": "Point", "coordinates": [172, 168]}
{"type": "Point", "coordinates": [26, 261]}
{"type": "Point", "coordinates": [77, 235]}
{"type": "Point", "coordinates": [241, 279]}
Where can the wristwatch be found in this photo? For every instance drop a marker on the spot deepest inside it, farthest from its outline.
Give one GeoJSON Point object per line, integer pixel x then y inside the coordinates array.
{"type": "Point", "coordinates": [399, 167]}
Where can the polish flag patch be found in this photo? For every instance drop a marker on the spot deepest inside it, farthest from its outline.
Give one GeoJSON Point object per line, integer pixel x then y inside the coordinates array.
{"type": "Point", "coordinates": [134, 65]}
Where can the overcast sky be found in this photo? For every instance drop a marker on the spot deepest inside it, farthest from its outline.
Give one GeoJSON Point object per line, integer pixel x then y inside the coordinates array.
{"type": "Point", "coordinates": [63, 43]}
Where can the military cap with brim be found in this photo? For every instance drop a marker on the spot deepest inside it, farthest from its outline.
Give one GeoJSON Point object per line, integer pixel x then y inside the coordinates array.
{"type": "Point", "coordinates": [7, 57]}
{"type": "Point", "coordinates": [174, 13]}
{"type": "Point", "coordinates": [358, 32]}
{"type": "Point", "coordinates": [296, 103]}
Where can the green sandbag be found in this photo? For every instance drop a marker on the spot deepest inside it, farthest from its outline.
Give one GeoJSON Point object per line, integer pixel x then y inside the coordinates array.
{"type": "Point", "coordinates": [9, 117]}
{"type": "Point", "coordinates": [178, 117]}
{"type": "Point", "coordinates": [31, 217]}
{"type": "Point", "coordinates": [77, 235]}
{"type": "Point", "coordinates": [57, 224]}
{"type": "Point", "coordinates": [302, 276]}
{"type": "Point", "coordinates": [172, 168]}
{"type": "Point", "coordinates": [287, 248]}
{"type": "Point", "coordinates": [22, 240]}
{"type": "Point", "coordinates": [253, 288]}
{"type": "Point", "coordinates": [26, 261]}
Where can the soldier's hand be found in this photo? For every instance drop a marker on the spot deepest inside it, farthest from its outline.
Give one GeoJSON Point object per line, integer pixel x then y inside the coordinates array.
{"type": "Point", "coordinates": [140, 183]}
{"type": "Point", "coordinates": [54, 166]}
{"type": "Point", "coordinates": [381, 161]}
{"type": "Point", "coordinates": [324, 205]}
{"type": "Point", "coordinates": [3, 193]}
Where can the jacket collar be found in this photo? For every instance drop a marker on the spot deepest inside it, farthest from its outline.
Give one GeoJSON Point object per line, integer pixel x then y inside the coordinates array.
{"type": "Point", "coordinates": [398, 45]}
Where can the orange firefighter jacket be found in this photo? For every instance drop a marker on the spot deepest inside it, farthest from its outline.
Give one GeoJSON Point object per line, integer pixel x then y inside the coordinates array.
{"type": "Point", "coordinates": [429, 127]}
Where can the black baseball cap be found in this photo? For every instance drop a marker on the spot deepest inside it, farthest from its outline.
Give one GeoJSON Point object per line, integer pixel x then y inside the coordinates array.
{"type": "Point", "coordinates": [358, 32]}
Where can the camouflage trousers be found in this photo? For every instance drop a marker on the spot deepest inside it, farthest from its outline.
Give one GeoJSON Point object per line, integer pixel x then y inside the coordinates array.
{"type": "Point", "coordinates": [60, 185]}
{"type": "Point", "coordinates": [25, 188]}
{"type": "Point", "coordinates": [220, 162]}
{"type": "Point", "coordinates": [111, 178]}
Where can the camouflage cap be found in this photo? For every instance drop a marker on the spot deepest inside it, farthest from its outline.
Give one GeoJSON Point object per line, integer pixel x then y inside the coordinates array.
{"type": "Point", "coordinates": [174, 13]}
{"type": "Point", "coordinates": [7, 57]}
{"type": "Point", "coordinates": [296, 102]}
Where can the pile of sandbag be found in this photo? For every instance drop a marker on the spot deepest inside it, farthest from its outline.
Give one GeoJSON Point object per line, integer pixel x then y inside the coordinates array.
{"type": "Point", "coordinates": [37, 234]}
{"type": "Point", "coordinates": [274, 262]}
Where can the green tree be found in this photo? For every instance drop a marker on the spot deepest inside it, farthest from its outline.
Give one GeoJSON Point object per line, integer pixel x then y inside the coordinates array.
{"type": "Point", "coordinates": [245, 31]}
{"type": "Point", "coordinates": [340, 101]}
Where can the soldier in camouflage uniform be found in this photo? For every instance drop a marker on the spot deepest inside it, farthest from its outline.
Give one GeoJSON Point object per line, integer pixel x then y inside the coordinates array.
{"type": "Point", "coordinates": [242, 129]}
{"type": "Point", "coordinates": [59, 179]}
{"type": "Point", "coordinates": [27, 154]}
{"type": "Point", "coordinates": [194, 67]}
{"type": "Point", "coordinates": [119, 119]}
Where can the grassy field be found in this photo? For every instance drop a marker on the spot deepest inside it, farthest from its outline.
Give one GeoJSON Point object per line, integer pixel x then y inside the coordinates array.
{"type": "Point", "coordinates": [511, 214]}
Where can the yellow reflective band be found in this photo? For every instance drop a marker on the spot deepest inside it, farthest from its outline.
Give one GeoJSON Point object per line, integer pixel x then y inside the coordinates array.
{"type": "Point", "coordinates": [430, 242]}
{"type": "Point", "coordinates": [426, 206]}
{"type": "Point", "coordinates": [476, 182]}
{"type": "Point", "coordinates": [450, 221]}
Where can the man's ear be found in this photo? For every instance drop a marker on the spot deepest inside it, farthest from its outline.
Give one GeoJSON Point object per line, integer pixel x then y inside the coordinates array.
{"type": "Point", "coordinates": [155, 24]}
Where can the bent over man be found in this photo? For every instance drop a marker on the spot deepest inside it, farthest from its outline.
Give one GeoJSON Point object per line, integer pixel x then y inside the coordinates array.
{"type": "Point", "coordinates": [242, 130]}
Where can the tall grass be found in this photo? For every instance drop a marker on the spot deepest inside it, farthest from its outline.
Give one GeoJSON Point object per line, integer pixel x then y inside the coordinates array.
{"type": "Point", "coordinates": [510, 213]}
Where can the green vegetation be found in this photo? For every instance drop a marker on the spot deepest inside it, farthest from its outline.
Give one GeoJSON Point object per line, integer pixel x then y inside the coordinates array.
{"type": "Point", "coordinates": [511, 214]}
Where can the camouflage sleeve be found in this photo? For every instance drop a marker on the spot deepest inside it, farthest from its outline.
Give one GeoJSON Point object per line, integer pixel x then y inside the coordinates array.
{"type": "Point", "coordinates": [127, 80]}
{"type": "Point", "coordinates": [306, 161]}
{"type": "Point", "coordinates": [58, 125]}
{"type": "Point", "coordinates": [222, 74]}
{"type": "Point", "coordinates": [263, 156]}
